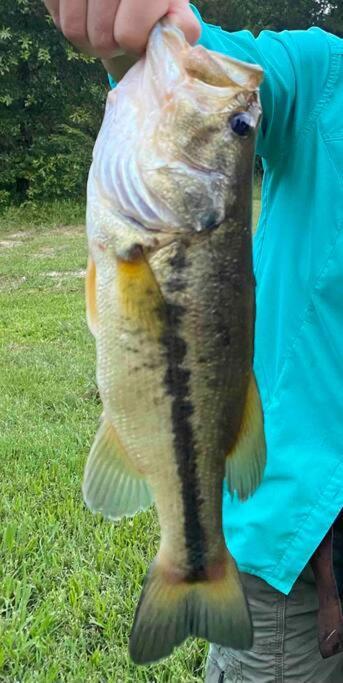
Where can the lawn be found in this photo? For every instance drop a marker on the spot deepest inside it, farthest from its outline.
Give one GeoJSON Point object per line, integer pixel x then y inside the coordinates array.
{"type": "Point", "coordinates": [69, 581]}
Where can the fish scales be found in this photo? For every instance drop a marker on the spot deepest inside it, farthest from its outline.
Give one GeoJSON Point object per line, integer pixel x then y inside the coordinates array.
{"type": "Point", "coordinates": [198, 338]}
{"type": "Point", "coordinates": [170, 301]}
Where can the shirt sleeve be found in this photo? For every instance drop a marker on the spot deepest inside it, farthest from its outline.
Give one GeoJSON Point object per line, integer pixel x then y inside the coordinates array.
{"type": "Point", "coordinates": [295, 65]}
{"type": "Point", "coordinates": [111, 81]}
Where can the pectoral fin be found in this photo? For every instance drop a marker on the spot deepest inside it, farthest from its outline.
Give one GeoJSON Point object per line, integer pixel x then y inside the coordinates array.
{"type": "Point", "coordinates": [92, 318]}
{"type": "Point", "coordinates": [246, 461]}
{"type": "Point", "coordinates": [140, 297]}
{"type": "Point", "coordinates": [112, 485]}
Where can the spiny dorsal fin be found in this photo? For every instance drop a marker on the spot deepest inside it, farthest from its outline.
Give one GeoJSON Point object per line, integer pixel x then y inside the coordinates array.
{"type": "Point", "coordinates": [112, 485]}
{"type": "Point", "coordinates": [246, 461]}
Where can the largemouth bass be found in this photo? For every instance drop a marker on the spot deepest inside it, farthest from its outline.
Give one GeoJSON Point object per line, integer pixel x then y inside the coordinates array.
{"type": "Point", "coordinates": [170, 301]}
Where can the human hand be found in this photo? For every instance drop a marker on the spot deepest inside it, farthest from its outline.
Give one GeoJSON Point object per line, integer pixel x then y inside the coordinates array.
{"type": "Point", "coordinates": [106, 28]}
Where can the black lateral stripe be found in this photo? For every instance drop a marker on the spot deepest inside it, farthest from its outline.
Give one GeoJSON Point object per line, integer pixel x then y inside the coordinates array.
{"type": "Point", "coordinates": [177, 381]}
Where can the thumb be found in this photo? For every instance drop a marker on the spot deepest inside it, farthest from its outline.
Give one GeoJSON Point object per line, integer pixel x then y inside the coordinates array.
{"type": "Point", "coordinates": [181, 15]}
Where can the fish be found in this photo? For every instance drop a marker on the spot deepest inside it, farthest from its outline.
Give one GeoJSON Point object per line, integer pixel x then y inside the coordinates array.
{"type": "Point", "coordinates": [170, 295]}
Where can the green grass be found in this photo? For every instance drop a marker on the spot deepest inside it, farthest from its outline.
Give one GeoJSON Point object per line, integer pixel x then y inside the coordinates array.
{"type": "Point", "coordinates": [35, 215]}
{"type": "Point", "coordinates": [69, 581]}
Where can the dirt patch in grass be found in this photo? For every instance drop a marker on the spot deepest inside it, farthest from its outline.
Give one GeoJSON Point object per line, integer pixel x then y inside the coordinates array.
{"type": "Point", "coordinates": [15, 239]}
{"type": "Point", "coordinates": [20, 235]}
{"type": "Point", "coordinates": [8, 284]}
{"type": "Point", "coordinates": [46, 252]}
{"type": "Point", "coordinates": [67, 273]}
{"type": "Point", "coordinates": [72, 230]}
{"type": "Point", "coordinates": [10, 244]}
{"type": "Point", "coordinates": [50, 252]}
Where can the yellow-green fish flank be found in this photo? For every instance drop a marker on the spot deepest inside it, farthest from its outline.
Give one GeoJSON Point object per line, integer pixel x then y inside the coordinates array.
{"type": "Point", "coordinates": [170, 301]}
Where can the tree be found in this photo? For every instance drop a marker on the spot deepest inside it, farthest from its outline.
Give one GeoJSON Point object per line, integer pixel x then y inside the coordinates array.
{"type": "Point", "coordinates": [334, 20]}
{"type": "Point", "coordinates": [51, 103]}
{"type": "Point", "coordinates": [273, 14]}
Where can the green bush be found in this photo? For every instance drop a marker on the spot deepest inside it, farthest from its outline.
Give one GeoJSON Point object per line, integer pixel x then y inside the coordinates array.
{"type": "Point", "coordinates": [4, 199]}
{"type": "Point", "coordinates": [273, 14]}
{"type": "Point", "coordinates": [63, 171]}
{"type": "Point", "coordinates": [51, 105]}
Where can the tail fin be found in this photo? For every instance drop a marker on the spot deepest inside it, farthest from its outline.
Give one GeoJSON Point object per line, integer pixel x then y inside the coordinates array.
{"type": "Point", "coordinates": [168, 612]}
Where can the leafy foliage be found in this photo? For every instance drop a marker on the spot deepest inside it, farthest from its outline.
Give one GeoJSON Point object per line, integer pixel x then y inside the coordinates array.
{"type": "Point", "coordinates": [51, 103]}
{"type": "Point", "coordinates": [273, 14]}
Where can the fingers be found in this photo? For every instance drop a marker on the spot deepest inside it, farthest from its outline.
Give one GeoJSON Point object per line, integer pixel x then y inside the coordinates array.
{"type": "Point", "coordinates": [53, 9]}
{"type": "Point", "coordinates": [88, 25]}
{"type": "Point", "coordinates": [100, 27]}
{"type": "Point", "coordinates": [73, 21]}
{"type": "Point", "coordinates": [181, 14]}
{"type": "Point", "coordinates": [134, 21]}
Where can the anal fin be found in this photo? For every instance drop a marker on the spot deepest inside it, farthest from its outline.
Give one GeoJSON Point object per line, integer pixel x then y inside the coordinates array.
{"type": "Point", "coordinates": [111, 483]}
{"type": "Point", "coordinates": [246, 461]}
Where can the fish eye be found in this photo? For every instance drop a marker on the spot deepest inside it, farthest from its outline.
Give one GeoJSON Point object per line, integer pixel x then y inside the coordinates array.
{"type": "Point", "coordinates": [241, 123]}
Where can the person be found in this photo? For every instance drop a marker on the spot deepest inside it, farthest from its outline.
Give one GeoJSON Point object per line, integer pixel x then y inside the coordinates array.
{"type": "Point", "coordinates": [298, 258]}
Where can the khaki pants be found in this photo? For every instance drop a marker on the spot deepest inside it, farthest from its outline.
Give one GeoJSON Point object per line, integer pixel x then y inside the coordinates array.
{"type": "Point", "coordinates": [285, 646]}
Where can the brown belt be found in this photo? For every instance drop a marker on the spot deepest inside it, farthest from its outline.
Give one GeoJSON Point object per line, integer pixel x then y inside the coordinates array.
{"type": "Point", "coordinates": [330, 617]}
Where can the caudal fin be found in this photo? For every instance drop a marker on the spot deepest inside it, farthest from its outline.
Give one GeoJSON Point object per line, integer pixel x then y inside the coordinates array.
{"type": "Point", "coordinates": [168, 612]}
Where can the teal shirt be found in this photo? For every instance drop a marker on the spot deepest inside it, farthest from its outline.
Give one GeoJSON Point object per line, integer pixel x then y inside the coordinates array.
{"type": "Point", "coordinates": [298, 261]}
